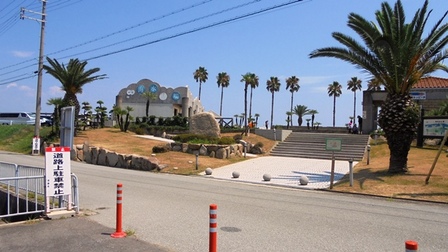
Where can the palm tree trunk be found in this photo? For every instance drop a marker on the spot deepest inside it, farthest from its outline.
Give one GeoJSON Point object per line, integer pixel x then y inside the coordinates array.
{"type": "Point", "coordinates": [292, 98]}
{"type": "Point", "coordinates": [220, 106]}
{"type": "Point", "coordinates": [399, 118]}
{"type": "Point", "coordinates": [272, 110]}
{"type": "Point", "coordinates": [245, 110]}
{"type": "Point", "coordinates": [200, 85]}
{"type": "Point", "coordinates": [399, 146]}
{"type": "Point", "coordinates": [354, 107]}
{"type": "Point", "coordinates": [250, 104]}
{"type": "Point", "coordinates": [334, 111]}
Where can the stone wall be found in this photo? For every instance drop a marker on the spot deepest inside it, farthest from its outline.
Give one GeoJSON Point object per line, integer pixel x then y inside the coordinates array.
{"type": "Point", "coordinates": [215, 150]}
{"type": "Point", "coordinates": [104, 157]}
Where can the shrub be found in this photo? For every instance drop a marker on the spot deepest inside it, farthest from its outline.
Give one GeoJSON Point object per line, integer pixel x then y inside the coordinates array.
{"type": "Point", "coordinates": [159, 149]}
{"type": "Point", "coordinates": [226, 140]}
{"type": "Point", "coordinates": [139, 131]}
{"type": "Point", "coordinates": [237, 137]}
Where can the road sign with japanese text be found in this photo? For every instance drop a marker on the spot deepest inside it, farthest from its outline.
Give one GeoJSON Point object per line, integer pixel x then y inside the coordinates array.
{"type": "Point", "coordinates": [57, 171]}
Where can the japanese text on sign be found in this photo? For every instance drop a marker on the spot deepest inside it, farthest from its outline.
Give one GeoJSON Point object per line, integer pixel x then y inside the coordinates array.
{"type": "Point", "coordinates": [57, 169]}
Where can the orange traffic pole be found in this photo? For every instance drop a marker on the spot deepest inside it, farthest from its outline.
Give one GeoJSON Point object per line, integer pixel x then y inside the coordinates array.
{"type": "Point", "coordinates": [119, 230]}
{"type": "Point", "coordinates": [411, 246]}
{"type": "Point", "coordinates": [213, 228]}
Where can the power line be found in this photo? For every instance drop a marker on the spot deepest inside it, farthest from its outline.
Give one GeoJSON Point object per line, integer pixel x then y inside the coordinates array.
{"type": "Point", "coordinates": [262, 11]}
{"type": "Point", "coordinates": [117, 32]}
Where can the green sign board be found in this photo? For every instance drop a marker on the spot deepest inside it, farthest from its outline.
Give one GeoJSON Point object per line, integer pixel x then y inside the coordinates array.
{"type": "Point", "coordinates": [333, 144]}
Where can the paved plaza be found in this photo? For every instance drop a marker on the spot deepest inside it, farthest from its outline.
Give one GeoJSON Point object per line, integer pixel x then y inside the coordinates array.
{"type": "Point", "coordinates": [284, 171]}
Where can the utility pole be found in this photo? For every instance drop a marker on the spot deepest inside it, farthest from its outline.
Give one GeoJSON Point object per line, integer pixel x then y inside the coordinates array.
{"type": "Point", "coordinates": [39, 72]}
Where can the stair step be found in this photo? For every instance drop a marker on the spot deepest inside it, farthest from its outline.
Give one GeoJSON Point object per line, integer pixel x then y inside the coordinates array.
{"type": "Point", "coordinates": [312, 145]}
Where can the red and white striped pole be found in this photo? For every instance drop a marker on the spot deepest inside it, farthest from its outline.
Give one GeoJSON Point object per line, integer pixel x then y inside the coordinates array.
{"type": "Point", "coordinates": [213, 228]}
{"type": "Point", "coordinates": [119, 230]}
{"type": "Point", "coordinates": [411, 246]}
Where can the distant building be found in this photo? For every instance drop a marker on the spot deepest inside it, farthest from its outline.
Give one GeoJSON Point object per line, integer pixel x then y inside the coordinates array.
{"type": "Point", "coordinates": [429, 92]}
{"type": "Point", "coordinates": [167, 101]}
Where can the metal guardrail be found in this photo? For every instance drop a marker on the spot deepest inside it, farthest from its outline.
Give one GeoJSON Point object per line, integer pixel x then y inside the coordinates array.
{"type": "Point", "coordinates": [24, 187]}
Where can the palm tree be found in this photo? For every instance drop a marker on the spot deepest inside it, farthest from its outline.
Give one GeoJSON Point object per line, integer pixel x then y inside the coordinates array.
{"type": "Point", "coordinates": [256, 118]}
{"type": "Point", "coordinates": [397, 55]}
{"type": "Point", "coordinates": [272, 85]}
{"type": "Point", "coordinates": [373, 85]}
{"type": "Point", "coordinates": [223, 80]}
{"type": "Point", "coordinates": [300, 111]}
{"type": "Point", "coordinates": [200, 75]}
{"type": "Point", "coordinates": [335, 90]}
{"type": "Point", "coordinates": [248, 79]}
{"type": "Point", "coordinates": [253, 85]}
{"type": "Point", "coordinates": [236, 118]}
{"type": "Point", "coordinates": [312, 112]}
{"type": "Point", "coordinates": [73, 78]}
{"type": "Point", "coordinates": [101, 112]}
{"type": "Point", "coordinates": [57, 103]}
{"type": "Point", "coordinates": [292, 83]}
{"type": "Point", "coordinates": [150, 96]}
{"type": "Point", "coordinates": [354, 84]}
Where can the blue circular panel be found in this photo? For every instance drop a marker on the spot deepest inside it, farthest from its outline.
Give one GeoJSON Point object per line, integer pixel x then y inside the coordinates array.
{"type": "Point", "coordinates": [175, 96]}
{"type": "Point", "coordinates": [153, 88]}
{"type": "Point", "coordinates": [141, 89]}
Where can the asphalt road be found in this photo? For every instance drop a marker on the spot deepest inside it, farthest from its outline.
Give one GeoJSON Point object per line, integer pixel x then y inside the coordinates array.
{"type": "Point", "coordinates": [171, 211]}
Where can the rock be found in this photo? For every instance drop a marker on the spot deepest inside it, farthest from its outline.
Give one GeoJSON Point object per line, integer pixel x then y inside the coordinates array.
{"type": "Point", "coordinates": [101, 160]}
{"type": "Point", "coordinates": [208, 171]}
{"type": "Point", "coordinates": [221, 153]}
{"type": "Point", "coordinates": [304, 180]}
{"type": "Point", "coordinates": [267, 177]}
{"type": "Point", "coordinates": [203, 151]}
{"type": "Point", "coordinates": [235, 174]}
{"type": "Point", "coordinates": [204, 124]}
{"type": "Point", "coordinates": [112, 159]}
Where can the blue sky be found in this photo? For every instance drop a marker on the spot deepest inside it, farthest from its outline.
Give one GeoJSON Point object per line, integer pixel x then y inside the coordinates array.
{"type": "Point", "coordinates": [273, 43]}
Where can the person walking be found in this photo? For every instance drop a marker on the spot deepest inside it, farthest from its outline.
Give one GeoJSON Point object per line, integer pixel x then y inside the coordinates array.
{"type": "Point", "coordinates": [360, 124]}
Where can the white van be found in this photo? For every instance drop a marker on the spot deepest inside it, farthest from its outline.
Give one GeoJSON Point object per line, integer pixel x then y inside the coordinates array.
{"type": "Point", "coordinates": [10, 118]}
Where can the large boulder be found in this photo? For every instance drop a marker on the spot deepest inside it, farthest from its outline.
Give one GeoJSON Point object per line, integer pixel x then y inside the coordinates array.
{"type": "Point", "coordinates": [204, 124]}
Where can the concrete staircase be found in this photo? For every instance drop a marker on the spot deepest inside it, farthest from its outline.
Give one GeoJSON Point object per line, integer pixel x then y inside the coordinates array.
{"type": "Point", "coordinates": [312, 145]}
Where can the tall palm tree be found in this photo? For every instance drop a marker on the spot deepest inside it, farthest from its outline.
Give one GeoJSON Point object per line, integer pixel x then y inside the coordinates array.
{"type": "Point", "coordinates": [72, 77]}
{"type": "Point", "coordinates": [354, 84]}
{"type": "Point", "coordinates": [396, 54]}
{"type": "Point", "coordinates": [300, 111]}
{"type": "Point", "coordinates": [256, 118]}
{"type": "Point", "coordinates": [373, 85]}
{"type": "Point", "coordinates": [292, 83]}
{"type": "Point", "coordinates": [57, 103]}
{"type": "Point", "coordinates": [200, 75]}
{"type": "Point", "coordinates": [312, 112]}
{"type": "Point", "coordinates": [335, 90]}
{"type": "Point", "coordinates": [253, 85]}
{"type": "Point", "coordinates": [248, 79]}
{"type": "Point", "coordinates": [273, 85]}
{"type": "Point", "coordinates": [223, 80]}
{"type": "Point", "coordinates": [150, 96]}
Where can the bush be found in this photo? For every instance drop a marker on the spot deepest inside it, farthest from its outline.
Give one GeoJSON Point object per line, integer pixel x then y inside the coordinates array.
{"type": "Point", "coordinates": [139, 131]}
{"type": "Point", "coordinates": [259, 145]}
{"type": "Point", "coordinates": [226, 140]}
{"type": "Point", "coordinates": [159, 149]}
{"type": "Point", "coordinates": [237, 137]}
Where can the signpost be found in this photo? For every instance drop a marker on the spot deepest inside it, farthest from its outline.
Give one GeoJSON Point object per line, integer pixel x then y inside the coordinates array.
{"type": "Point", "coordinates": [57, 173]}
{"type": "Point", "coordinates": [332, 144]}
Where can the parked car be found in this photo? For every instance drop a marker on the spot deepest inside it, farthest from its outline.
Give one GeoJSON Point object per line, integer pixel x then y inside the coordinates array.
{"type": "Point", "coordinates": [10, 118]}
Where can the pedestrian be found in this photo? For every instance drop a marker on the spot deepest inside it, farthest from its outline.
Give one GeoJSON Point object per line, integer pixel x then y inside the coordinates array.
{"type": "Point", "coordinates": [266, 124]}
{"type": "Point", "coordinates": [355, 129]}
{"type": "Point", "coordinates": [360, 124]}
{"type": "Point", "coordinates": [349, 126]}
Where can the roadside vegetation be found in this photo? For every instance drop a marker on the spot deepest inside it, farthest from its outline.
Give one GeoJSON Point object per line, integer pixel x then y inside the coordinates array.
{"type": "Point", "coordinates": [371, 179]}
